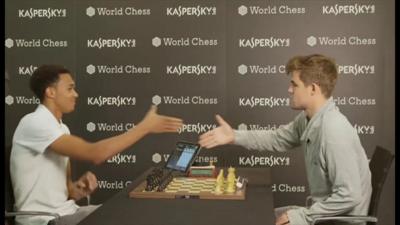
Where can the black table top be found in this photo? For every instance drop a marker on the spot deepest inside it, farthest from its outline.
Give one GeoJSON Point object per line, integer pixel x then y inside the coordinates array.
{"type": "Point", "coordinates": [257, 208]}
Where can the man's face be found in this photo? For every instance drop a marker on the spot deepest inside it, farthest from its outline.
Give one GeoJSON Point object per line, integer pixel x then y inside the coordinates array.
{"type": "Point", "coordinates": [299, 93]}
{"type": "Point", "coordinates": [65, 94]}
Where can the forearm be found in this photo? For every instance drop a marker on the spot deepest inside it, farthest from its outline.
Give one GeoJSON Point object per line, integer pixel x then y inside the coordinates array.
{"type": "Point", "coordinates": [106, 148]}
{"type": "Point", "coordinates": [79, 149]}
{"type": "Point", "coordinates": [265, 140]}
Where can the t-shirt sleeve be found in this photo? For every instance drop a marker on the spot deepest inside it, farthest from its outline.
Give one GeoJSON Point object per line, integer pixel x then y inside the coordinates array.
{"type": "Point", "coordinates": [36, 134]}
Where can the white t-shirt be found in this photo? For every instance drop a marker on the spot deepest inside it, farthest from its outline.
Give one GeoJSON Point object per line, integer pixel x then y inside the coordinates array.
{"type": "Point", "coordinates": [38, 174]}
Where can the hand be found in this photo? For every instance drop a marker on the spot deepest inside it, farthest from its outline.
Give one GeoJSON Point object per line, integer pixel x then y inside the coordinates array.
{"type": "Point", "coordinates": [218, 136]}
{"type": "Point", "coordinates": [282, 219]}
{"type": "Point", "coordinates": [155, 123]}
{"type": "Point", "coordinates": [83, 187]}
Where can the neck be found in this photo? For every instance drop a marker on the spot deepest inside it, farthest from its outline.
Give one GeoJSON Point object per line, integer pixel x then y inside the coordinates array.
{"type": "Point", "coordinates": [316, 105]}
{"type": "Point", "coordinates": [53, 109]}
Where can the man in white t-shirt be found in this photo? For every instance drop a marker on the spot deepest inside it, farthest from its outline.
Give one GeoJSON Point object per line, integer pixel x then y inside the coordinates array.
{"type": "Point", "coordinates": [42, 145]}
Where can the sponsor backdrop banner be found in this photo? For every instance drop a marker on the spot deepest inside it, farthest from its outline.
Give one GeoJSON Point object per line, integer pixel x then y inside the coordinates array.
{"type": "Point", "coordinates": [194, 59]}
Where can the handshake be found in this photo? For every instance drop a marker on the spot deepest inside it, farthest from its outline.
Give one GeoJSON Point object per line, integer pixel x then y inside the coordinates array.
{"type": "Point", "coordinates": [155, 123]}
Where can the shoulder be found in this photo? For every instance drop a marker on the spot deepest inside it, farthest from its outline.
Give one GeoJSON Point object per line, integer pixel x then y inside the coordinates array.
{"type": "Point", "coordinates": [335, 124]}
{"type": "Point", "coordinates": [37, 122]}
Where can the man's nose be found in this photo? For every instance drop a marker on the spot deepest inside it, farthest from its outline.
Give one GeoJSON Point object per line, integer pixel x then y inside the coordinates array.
{"type": "Point", "coordinates": [290, 90]}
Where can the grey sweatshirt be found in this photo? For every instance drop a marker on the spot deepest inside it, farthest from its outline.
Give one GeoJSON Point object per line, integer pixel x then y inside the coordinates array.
{"type": "Point", "coordinates": [336, 164]}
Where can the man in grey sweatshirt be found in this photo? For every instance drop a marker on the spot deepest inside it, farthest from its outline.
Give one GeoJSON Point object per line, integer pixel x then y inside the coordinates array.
{"type": "Point", "coordinates": [336, 163]}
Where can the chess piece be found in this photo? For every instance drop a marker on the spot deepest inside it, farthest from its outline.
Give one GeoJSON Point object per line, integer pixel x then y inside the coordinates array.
{"type": "Point", "coordinates": [230, 184]}
{"type": "Point", "coordinates": [219, 182]}
{"type": "Point", "coordinates": [231, 175]}
{"type": "Point", "coordinates": [220, 177]}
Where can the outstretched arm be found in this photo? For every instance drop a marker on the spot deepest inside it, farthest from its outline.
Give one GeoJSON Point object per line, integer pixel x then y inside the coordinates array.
{"type": "Point", "coordinates": [77, 148]}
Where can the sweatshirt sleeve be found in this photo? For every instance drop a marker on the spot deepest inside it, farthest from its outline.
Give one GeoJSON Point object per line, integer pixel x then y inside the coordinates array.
{"type": "Point", "coordinates": [280, 140]}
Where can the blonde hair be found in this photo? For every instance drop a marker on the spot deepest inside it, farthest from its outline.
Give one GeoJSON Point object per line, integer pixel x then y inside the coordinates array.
{"type": "Point", "coordinates": [317, 69]}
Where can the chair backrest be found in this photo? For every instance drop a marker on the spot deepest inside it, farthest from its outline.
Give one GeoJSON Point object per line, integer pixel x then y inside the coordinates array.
{"type": "Point", "coordinates": [379, 165]}
{"type": "Point", "coordinates": [9, 193]}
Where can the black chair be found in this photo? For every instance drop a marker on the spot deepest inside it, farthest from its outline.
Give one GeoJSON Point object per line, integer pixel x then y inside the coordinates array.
{"type": "Point", "coordinates": [379, 165]}
{"type": "Point", "coordinates": [9, 213]}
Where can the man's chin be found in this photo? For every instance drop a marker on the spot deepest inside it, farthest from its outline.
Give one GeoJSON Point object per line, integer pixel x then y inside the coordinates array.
{"type": "Point", "coordinates": [69, 110]}
{"type": "Point", "coordinates": [294, 107]}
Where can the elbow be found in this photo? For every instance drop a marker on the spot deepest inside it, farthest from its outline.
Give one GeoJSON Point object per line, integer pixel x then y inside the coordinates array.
{"type": "Point", "coordinates": [96, 156]}
{"type": "Point", "coordinates": [98, 159]}
{"type": "Point", "coordinates": [355, 199]}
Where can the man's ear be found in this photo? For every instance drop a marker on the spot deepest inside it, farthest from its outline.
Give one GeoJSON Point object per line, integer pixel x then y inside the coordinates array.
{"type": "Point", "coordinates": [315, 89]}
{"type": "Point", "coordinates": [50, 92]}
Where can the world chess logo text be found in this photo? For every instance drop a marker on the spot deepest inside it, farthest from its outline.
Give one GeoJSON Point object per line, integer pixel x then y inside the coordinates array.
{"type": "Point", "coordinates": [183, 42]}
{"type": "Point", "coordinates": [340, 41]}
{"type": "Point", "coordinates": [287, 188]}
{"type": "Point", "coordinates": [197, 70]}
{"type": "Point", "coordinates": [184, 100]}
{"type": "Point", "coordinates": [261, 69]}
{"type": "Point", "coordinates": [108, 127]}
{"type": "Point", "coordinates": [353, 9]}
{"type": "Point", "coordinates": [21, 100]}
{"type": "Point", "coordinates": [270, 102]}
{"type": "Point", "coordinates": [111, 101]}
{"type": "Point", "coordinates": [47, 13]}
{"type": "Point", "coordinates": [353, 100]}
{"type": "Point", "coordinates": [356, 69]}
{"type": "Point", "coordinates": [111, 43]}
{"type": "Point", "coordinates": [113, 185]}
{"type": "Point", "coordinates": [157, 158]}
{"type": "Point", "coordinates": [122, 159]}
{"type": "Point", "coordinates": [269, 42]}
{"type": "Point", "coordinates": [117, 11]}
{"type": "Point", "coordinates": [364, 129]}
{"type": "Point", "coordinates": [264, 161]}
{"type": "Point", "coordinates": [26, 70]}
{"type": "Point", "coordinates": [196, 128]}
{"type": "Point", "coordinates": [194, 11]}
{"type": "Point", "coordinates": [117, 69]}
{"type": "Point", "coordinates": [244, 126]}
{"type": "Point", "coordinates": [36, 43]}
{"type": "Point", "coordinates": [271, 10]}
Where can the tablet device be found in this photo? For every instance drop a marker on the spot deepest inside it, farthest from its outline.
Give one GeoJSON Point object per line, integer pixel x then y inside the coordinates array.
{"type": "Point", "coordinates": [183, 156]}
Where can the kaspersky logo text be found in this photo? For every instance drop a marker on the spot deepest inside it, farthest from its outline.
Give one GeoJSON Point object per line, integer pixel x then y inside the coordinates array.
{"type": "Point", "coordinates": [111, 43]}
{"type": "Point", "coordinates": [196, 128]}
{"type": "Point", "coordinates": [269, 42]}
{"type": "Point", "coordinates": [191, 70]}
{"type": "Point", "coordinates": [195, 11]}
{"type": "Point", "coordinates": [264, 161]}
{"type": "Point", "coordinates": [263, 101]}
{"type": "Point", "coordinates": [47, 13]}
{"type": "Point", "coordinates": [354, 9]}
{"type": "Point", "coordinates": [111, 101]}
{"type": "Point", "coordinates": [356, 69]}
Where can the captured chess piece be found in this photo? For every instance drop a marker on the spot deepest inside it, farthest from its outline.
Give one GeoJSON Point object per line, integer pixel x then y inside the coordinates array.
{"type": "Point", "coordinates": [219, 183]}
{"type": "Point", "coordinates": [231, 178]}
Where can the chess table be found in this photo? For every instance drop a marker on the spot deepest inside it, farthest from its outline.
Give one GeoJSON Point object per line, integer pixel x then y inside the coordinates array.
{"type": "Point", "coordinates": [256, 208]}
{"type": "Point", "coordinates": [189, 187]}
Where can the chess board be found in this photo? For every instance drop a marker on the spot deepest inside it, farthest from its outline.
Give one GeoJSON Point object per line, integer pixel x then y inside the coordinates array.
{"type": "Point", "coordinates": [189, 187]}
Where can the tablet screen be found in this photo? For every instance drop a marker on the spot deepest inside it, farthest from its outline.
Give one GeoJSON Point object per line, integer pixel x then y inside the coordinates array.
{"type": "Point", "coordinates": [183, 156]}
